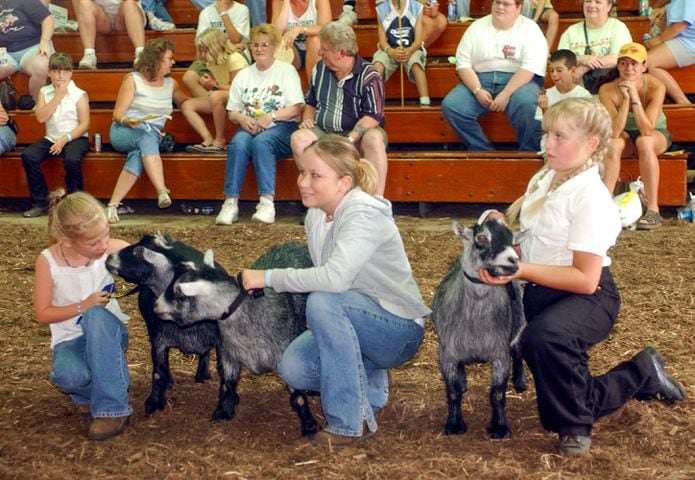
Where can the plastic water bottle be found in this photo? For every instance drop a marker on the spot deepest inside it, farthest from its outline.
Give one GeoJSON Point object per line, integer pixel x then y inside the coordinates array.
{"type": "Point", "coordinates": [686, 213]}
{"type": "Point", "coordinates": [645, 38]}
{"type": "Point", "coordinates": [97, 142]}
{"type": "Point", "coordinates": [644, 8]}
{"type": "Point", "coordinates": [452, 11]}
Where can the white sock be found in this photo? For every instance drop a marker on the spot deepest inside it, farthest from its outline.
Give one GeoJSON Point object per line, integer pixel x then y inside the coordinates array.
{"type": "Point", "coordinates": [424, 100]}
{"type": "Point", "coordinates": [138, 51]}
{"type": "Point", "coordinates": [88, 51]}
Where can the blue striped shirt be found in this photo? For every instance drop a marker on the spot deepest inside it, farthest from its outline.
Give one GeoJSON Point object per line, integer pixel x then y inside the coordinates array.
{"type": "Point", "coordinates": [341, 103]}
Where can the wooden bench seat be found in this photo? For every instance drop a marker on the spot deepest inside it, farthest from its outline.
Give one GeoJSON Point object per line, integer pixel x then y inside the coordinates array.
{"type": "Point", "coordinates": [405, 125]}
{"type": "Point", "coordinates": [116, 47]}
{"type": "Point", "coordinates": [416, 176]}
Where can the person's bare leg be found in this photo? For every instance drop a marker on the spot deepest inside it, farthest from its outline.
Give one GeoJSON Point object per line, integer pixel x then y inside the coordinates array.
{"type": "Point", "coordinates": [647, 148]}
{"type": "Point", "coordinates": [611, 163]}
{"type": "Point", "coordinates": [131, 20]}
{"type": "Point", "coordinates": [125, 182]}
{"type": "Point", "coordinates": [190, 80]}
{"type": "Point", "coordinates": [218, 103]}
{"type": "Point", "coordinates": [373, 148]}
{"type": "Point", "coordinates": [301, 139]}
{"type": "Point", "coordinates": [191, 110]}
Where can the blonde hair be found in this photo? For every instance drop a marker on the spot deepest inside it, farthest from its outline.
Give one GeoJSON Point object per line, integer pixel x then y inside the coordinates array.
{"type": "Point", "coordinates": [71, 216]}
{"type": "Point", "coordinates": [268, 30]}
{"type": "Point", "coordinates": [590, 119]}
{"type": "Point", "coordinates": [341, 156]}
{"type": "Point", "coordinates": [218, 46]}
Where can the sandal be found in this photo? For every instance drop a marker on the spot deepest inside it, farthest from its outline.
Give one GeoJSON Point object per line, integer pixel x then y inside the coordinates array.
{"type": "Point", "coordinates": [649, 221]}
{"type": "Point", "coordinates": [202, 148]}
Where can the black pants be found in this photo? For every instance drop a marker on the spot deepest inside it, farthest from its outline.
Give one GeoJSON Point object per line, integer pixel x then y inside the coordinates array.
{"type": "Point", "coordinates": [562, 327]}
{"type": "Point", "coordinates": [38, 152]}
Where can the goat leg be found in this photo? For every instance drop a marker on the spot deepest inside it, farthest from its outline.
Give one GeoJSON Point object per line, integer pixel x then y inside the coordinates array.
{"type": "Point", "coordinates": [498, 428]}
{"type": "Point", "coordinates": [300, 404]}
{"type": "Point", "coordinates": [519, 379]}
{"type": "Point", "coordinates": [456, 386]}
{"type": "Point", "coordinates": [229, 370]}
{"type": "Point", "coordinates": [161, 379]}
{"type": "Point", "coordinates": [202, 374]}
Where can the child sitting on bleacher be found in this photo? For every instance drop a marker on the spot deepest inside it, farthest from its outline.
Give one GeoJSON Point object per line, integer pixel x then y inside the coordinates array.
{"type": "Point", "coordinates": [106, 16]}
{"type": "Point", "coordinates": [64, 109]}
{"type": "Point", "coordinates": [399, 26]}
{"type": "Point", "coordinates": [561, 65]}
{"type": "Point", "coordinates": [228, 16]}
{"type": "Point", "coordinates": [542, 11]}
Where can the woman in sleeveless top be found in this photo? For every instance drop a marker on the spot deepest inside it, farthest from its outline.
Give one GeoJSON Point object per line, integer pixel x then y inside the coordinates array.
{"type": "Point", "coordinates": [635, 102]}
{"type": "Point", "coordinates": [300, 22]}
{"type": "Point", "coordinates": [143, 105]}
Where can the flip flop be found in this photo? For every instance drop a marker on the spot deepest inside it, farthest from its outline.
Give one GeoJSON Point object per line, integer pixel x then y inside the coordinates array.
{"type": "Point", "coordinates": [197, 148]}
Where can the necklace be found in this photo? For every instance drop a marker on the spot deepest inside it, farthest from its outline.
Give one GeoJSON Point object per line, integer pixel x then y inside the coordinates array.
{"type": "Point", "coordinates": [65, 259]}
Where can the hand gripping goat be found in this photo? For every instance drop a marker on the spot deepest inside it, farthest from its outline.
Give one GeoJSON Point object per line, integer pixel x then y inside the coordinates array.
{"type": "Point", "coordinates": [479, 323]}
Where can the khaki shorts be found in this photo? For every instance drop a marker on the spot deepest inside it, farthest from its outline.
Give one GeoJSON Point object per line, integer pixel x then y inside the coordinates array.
{"type": "Point", "coordinates": [319, 132]}
{"type": "Point", "coordinates": [390, 65]}
{"type": "Point", "coordinates": [199, 67]}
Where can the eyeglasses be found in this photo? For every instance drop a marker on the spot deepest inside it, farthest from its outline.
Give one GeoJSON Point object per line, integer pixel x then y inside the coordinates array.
{"type": "Point", "coordinates": [504, 4]}
{"type": "Point", "coordinates": [261, 45]}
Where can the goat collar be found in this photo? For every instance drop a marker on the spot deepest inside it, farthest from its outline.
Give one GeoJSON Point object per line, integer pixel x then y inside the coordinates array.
{"type": "Point", "coordinates": [241, 296]}
{"type": "Point", "coordinates": [133, 290]}
{"type": "Point", "coordinates": [473, 279]}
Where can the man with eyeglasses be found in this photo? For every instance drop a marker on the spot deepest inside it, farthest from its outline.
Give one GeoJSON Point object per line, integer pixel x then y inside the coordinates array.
{"type": "Point", "coordinates": [346, 96]}
{"type": "Point", "coordinates": [501, 61]}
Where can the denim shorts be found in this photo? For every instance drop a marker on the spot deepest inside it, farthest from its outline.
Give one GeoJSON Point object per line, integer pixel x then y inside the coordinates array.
{"type": "Point", "coordinates": [20, 56]}
{"type": "Point", "coordinates": [138, 142]}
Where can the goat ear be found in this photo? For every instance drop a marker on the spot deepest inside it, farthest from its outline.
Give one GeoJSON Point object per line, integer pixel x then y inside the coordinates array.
{"type": "Point", "coordinates": [189, 289]}
{"type": "Point", "coordinates": [464, 233]}
{"type": "Point", "coordinates": [209, 258]}
{"type": "Point", "coordinates": [154, 258]}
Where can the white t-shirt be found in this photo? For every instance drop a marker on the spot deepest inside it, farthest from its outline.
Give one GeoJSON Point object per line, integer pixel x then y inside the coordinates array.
{"type": "Point", "coordinates": [64, 118]}
{"type": "Point", "coordinates": [488, 49]}
{"type": "Point", "coordinates": [309, 18]}
{"type": "Point", "coordinates": [603, 41]}
{"type": "Point", "coordinates": [256, 92]}
{"type": "Point", "coordinates": [579, 215]}
{"type": "Point", "coordinates": [554, 95]}
{"type": "Point", "coordinates": [238, 15]}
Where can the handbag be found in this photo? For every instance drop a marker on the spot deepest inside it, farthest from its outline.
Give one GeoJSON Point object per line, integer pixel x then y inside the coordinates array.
{"type": "Point", "coordinates": [167, 143]}
{"type": "Point", "coordinates": [593, 79]}
{"type": "Point", "coordinates": [13, 126]}
{"type": "Point", "coordinates": [8, 95]}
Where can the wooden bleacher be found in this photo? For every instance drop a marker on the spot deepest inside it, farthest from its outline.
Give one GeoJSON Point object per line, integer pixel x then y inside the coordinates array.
{"type": "Point", "coordinates": [414, 174]}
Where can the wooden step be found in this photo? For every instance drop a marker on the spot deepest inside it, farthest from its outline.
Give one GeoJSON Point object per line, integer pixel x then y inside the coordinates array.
{"type": "Point", "coordinates": [401, 125]}
{"type": "Point", "coordinates": [116, 47]}
{"type": "Point", "coordinates": [416, 176]}
{"type": "Point", "coordinates": [103, 85]}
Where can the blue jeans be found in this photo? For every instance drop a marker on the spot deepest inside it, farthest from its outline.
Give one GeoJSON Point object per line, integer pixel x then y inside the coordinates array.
{"type": "Point", "coordinates": [92, 368]}
{"type": "Point", "coordinates": [157, 7]}
{"type": "Point", "coordinates": [263, 150]}
{"type": "Point", "coordinates": [461, 110]}
{"type": "Point", "coordinates": [136, 142]}
{"type": "Point", "coordinates": [345, 354]}
{"type": "Point", "coordinates": [8, 139]}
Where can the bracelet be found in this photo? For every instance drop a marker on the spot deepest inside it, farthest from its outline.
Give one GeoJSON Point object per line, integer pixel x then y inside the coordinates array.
{"type": "Point", "coordinates": [79, 307]}
{"type": "Point", "coordinates": [268, 276]}
{"type": "Point", "coordinates": [69, 137]}
{"type": "Point", "coordinates": [475, 92]}
{"type": "Point", "coordinates": [272, 115]}
{"type": "Point", "coordinates": [224, 14]}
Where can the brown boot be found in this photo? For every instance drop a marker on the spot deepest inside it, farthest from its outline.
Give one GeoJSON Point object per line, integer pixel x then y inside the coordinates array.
{"type": "Point", "coordinates": [82, 409]}
{"type": "Point", "coordinates": [107, 427]}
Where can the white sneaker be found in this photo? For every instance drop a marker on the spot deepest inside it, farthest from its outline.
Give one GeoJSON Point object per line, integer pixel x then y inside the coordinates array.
{"type": "Point", "coordinates": [164, 200]}
{"type": "Point", "coordinates": [160, 25]}
{"type": "Point", "coordinates": [88, 62]}
{"type": "Point", "coordinates": [348, 17]}
{"type": "Point", "coordinates": [265, 211]}
{"type": "Point", "coordinates": [229, 212]}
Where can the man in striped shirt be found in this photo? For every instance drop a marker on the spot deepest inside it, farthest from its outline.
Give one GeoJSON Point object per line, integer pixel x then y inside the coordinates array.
{"type": "Point", "coordinates": [346, 96]}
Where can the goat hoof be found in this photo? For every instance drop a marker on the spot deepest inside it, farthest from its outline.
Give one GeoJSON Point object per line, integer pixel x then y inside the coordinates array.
{"type": "Point", "coordinates": [203, 377]}
{"type": "Point", "coordinates": [152, 406]}
{"type": "Point", "coordinates": [310, 428]}
{"type": "Point", "coordinates": [520, 387]}
{"type": "Point", "coordinates": [455, 429]}
{"type": "Point", "coordinates": [220, 414]}
{"type": "Point", "coordinates": [499, 432]}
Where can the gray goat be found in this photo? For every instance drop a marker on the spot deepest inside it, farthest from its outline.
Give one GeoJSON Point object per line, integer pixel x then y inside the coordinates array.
{"type": "Point", "coordinates": [478, 323]}
{"type": "Point", "coordinates": [254, 331]}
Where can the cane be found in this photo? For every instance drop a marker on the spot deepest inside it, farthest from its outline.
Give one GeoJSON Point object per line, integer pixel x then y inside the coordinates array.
{"type": "Point", "coordinates": [400, 26]}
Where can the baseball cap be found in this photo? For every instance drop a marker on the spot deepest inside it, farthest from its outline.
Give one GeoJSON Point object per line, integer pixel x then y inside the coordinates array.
{"type": "Point", "coordinates": [635, 51]}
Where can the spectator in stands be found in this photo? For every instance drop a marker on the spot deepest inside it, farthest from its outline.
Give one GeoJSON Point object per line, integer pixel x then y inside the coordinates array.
{"type": "Point", "coordinates": [635, 102]}
{"type": "Point", "coordinates": [256, 9]}
{"type": "Point", "coordinates": [433, 21]}
{"type": "Point", "coordinates": [301, 20]}
{"type": "Point", "coordinates": [142, 107]}
{"type": "Point", "coordinates": [105, 16]}
{"type": "Point", "coordinates": [26, 34]}
{"type": "Point", "coordinates": [501, 61]}
{"type": "Point", "coordinates": [346, 96]}
{"type": "Point", "coordinates": [266, 102]}
{"type": "Point", "coordinates": [596, 41]}
{"type": "Point", "coordinates": [8, 137]}
{"type": "Point", "coordinates": [158, 17]}
{"type": "Point", "coordinates": [223, 62]}
{"type": "Point", "coordinates": [674, 46]}
{"type": "Point", "coordinates": [64, 109]}
{"type": "Point", "coordinates": [561, 66]}
{"type": "Point", "coordinates": [231, 18]}
{"type": "Point", "coordinates": [399, 27]}
{"type": "Point", "coordinates": [542, 11]}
